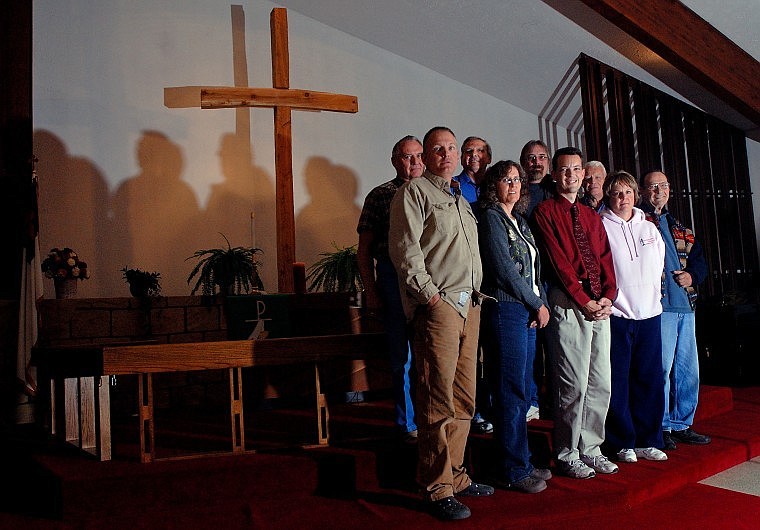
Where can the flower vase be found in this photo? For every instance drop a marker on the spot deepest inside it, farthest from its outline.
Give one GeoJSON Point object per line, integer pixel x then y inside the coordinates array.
{"type": "Point", "coordinates": [66, 288]}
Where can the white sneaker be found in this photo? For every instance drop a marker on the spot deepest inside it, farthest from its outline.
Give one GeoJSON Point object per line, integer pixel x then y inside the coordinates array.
{"type": "Point", "coordinates": [575, 469]}
{"type": "Point", "coordinates": [600, 464]}
{"type": "Point", "coordinates": [532, 414]}
{"type": "Point", "coordinates": [650, 453]}
{"type": "Point", "coordinates": [627, 455]}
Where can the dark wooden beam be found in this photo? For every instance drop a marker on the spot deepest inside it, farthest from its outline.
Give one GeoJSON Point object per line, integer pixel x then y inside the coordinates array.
{"type": "Point", "coordinates": [692, 45]}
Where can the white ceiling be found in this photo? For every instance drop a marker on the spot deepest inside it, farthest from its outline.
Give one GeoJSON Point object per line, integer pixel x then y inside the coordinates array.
{"type": "Point", "coordinates": [519, 51]}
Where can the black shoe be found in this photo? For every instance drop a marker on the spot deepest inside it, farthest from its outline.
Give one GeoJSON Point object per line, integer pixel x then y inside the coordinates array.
{"type": "Point", "coordinates": [481, 427]}
{"type": "Point", "coordinates": [476, 490]}
{"type": "Point", "coordinates": [529, 484]}
{"type": "Point", "coordinates": [449, 509]}
{"type": "Point", "coordinates": [543, 474]}
{"type": "Point", "coordinates": [670, 444]}
{"type": "Point", "coordinates": [690, 437]}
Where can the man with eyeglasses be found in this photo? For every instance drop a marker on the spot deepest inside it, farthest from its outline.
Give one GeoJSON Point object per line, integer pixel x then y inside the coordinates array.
{"type": "Point", "coordinates": [535, 159]}
{"type": "Point", "coordinates": [582, 287]}
{"type": "Point", "coordinates": [685, 268]}
{"type": "Point", "coordinates": [433, 243]}
{"type": "Point", "coordinates": [381, 290]}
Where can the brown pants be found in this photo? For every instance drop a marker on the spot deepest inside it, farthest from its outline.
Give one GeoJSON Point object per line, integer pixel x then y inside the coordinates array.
{"type": "Point", "coordinates": [445, 351]}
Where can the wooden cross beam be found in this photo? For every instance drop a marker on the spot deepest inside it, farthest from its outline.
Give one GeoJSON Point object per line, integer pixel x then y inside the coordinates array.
{"type": "Point", "coordinates": [282, 99]}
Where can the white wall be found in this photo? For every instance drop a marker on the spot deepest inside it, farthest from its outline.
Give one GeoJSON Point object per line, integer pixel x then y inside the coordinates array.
{"type": "Point", "coordinates": [99, 74]}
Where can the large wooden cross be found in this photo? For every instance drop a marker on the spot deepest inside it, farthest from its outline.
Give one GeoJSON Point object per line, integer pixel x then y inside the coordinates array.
{"type": "Point", "coordinates": [282, 99]}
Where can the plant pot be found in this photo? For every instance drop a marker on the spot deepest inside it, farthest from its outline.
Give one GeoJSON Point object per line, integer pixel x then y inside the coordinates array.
{"type": "Point", "coordinates": [65, 288]}
{"type": "Point", "coordinates": [138, 291]}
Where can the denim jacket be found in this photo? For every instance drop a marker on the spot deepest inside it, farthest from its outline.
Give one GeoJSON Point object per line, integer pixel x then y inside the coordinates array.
{"type": "Point", "coordinates": [508, 274]}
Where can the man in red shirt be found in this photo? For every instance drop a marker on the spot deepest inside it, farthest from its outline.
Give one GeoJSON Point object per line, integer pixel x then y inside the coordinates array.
{"type": "Point", "coordinates": [582, 287]}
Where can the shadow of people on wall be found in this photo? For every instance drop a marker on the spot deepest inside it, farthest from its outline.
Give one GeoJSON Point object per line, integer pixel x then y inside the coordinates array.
{"type": "Point", "coordinates": [332, 213]}
{"type": "Point", "coordinates": [242, 206]}
{"type": "Point", "coordinates": [72, 210]}
{"type": "Point", "coordinates": [155, 214]}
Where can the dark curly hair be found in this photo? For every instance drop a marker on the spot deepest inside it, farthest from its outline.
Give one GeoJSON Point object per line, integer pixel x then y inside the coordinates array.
{"type": "Point", "coordinates": [495, 173]}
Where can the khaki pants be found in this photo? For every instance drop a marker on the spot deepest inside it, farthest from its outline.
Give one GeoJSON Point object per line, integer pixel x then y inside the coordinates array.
{"type": "Point", "coordinates": [581, 378]}
{"type": "Point", "coordinates": [445, 352]}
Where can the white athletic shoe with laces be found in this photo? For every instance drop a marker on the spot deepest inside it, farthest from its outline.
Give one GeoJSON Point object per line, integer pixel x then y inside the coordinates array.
{"type": "Point", "coordinates": [600, 464]}
{"type": "Point", "coordinates": [650, 453]}
{"type": "Point", "coordinates": [627, 455]}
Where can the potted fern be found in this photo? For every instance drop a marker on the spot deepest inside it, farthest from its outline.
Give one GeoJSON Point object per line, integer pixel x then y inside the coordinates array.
{"type": "Point", "coordinates": [231, 270]}
{"type": "Point", "coordinates": [336, 272]}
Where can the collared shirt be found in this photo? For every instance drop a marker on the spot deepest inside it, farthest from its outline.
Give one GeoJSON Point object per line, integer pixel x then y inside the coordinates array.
{"type": "Point", "coordinates": [375, 216]}
{"type": "Point", "coordinates": [555, 230]}
{"type": "Point", "coordinates": [433, 243]}
{"type": "Point", "coordinates": [469, 189]}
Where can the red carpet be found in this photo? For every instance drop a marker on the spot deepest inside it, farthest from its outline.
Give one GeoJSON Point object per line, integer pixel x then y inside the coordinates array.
{"type": "Point", "coordinates": [366, 481]}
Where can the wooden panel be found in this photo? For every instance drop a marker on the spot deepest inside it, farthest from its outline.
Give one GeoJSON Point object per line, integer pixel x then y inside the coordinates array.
{"type": "Point", "coordinates": [594, 122]}
{"type": "Point", "coordinates": [182, 357]}
{"type": "Point", "coordinates": [689, 43]}
{"type": "Point", "coordinates": [647, 129]}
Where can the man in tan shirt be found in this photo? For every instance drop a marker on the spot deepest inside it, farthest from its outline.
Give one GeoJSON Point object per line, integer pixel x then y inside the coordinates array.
{"type": "Point", "coordinates": [433, 244]}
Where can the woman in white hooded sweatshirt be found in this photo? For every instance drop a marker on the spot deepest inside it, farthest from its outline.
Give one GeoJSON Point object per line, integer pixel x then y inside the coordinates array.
{"type": "Point", "coordinates": [633, 428]}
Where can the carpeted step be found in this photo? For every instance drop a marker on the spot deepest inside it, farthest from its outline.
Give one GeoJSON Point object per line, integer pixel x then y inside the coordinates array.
{"type": "Point", "coordinates": [713, 400]}
{"type": "Point", "coordinates": [84, 487]}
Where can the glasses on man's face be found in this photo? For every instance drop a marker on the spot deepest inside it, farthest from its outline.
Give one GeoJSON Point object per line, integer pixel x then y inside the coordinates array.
{"type": "Point", "coordinates": [542, 157]}
{"type": "Point", "coordinates": [658, 186]}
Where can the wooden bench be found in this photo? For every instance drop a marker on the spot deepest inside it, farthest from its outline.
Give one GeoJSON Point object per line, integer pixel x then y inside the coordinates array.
{"type": "Point", "coordinates": [79, 380]}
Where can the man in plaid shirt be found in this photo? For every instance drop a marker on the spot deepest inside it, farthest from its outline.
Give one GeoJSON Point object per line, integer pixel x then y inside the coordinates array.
{"type": "Point", "coordinates": [381, 289]}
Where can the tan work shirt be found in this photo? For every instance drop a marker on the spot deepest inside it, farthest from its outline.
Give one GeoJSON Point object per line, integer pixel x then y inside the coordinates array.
{"type": "Point", "coordinates": [433, 243]}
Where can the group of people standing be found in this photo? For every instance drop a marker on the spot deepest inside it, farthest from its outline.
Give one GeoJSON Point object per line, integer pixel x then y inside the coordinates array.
{"type": "Point", "coordinates": [560, 260]}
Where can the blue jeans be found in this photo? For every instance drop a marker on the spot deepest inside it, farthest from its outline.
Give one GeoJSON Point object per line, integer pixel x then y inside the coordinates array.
{"type": "Point", "coordinates": [680, 366]}
{"type": "Point", "coordinates": [399, 349]}
{"type": "Point", "coordinates": [510, 345]}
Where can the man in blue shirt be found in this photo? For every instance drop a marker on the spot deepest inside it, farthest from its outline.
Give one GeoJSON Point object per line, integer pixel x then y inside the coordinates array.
{"type": "Point", "coordinates": [476, 155]}
{"type": "Point", "coordinates": [685, 268]}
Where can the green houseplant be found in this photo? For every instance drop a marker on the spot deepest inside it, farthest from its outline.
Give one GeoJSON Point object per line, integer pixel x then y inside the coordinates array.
{"type": "Point", "coordinates": [336, 271]}
{"type": "Point", "coordinates": [142, 284]}
{"type": "Point", "coordinates": [231, 270]}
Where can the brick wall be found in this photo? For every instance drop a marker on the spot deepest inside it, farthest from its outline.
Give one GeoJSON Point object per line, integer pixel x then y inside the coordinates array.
{"type": "Point", "coordinates": [197, 319]}
{"type": "Point", "coordinates": [111, 320]}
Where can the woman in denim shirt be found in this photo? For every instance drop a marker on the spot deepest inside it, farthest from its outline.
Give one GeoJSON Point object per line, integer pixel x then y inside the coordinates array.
{"type": "Point", "coordinates": [511, 275]}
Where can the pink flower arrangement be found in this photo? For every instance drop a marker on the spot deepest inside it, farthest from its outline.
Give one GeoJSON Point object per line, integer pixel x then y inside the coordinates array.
{"type": "Point", "coordinates": [64, 264]}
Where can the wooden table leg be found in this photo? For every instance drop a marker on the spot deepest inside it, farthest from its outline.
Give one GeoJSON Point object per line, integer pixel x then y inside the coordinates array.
{"type": "Point", "coordinates": [323, 414]}
{"type": "Point", "coordinates": [147, 432]}
{"type": "Point", "coordinates": [236, 410]}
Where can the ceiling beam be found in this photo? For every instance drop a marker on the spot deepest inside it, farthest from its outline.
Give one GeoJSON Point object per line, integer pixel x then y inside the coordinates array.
{"type": "Point", "coordinates": [688, 42]}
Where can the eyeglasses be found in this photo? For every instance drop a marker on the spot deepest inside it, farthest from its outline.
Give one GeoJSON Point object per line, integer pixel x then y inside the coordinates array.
{"type": "Point", "coordinates": [509, 181]}
{"type": "Point", "coordinates": [533, 158]}
{"type": "Point", "coordinates": [658, 185]}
